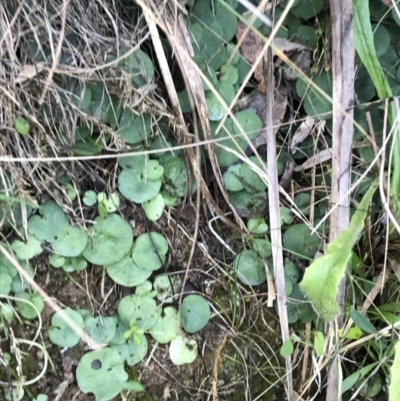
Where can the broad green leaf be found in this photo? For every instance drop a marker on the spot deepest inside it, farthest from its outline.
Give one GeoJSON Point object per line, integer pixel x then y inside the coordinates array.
{"type": "Point", "coordinates": [300, 242]}
{"type": "Point", "coordinates": [286, 349]}
{"type": "Point", "coordinates": [154, 207]}
{"type": "Point", "coordinates": [249, 122]}
{"type": "Point", "coordinates": [174, 178]}
{"type": "Point", "coordinates": [183, 350]}
{"type": "Point", "coordinates": [50, 224]}
{"type": "Point", "coordinates": [100, 105]}
{"type": "Point", "coordinates": [111, 240]}
{"type": "Point", "coordinates": [133, 352]}
{"type": "Point", "coordinates": [25, 308]}
{"type": "Point", "coordinates": [249, 268]}
{"type": "Point", "coordinates": [142, 310]}
{"type": "Point", "coordinates": [257, 226]}
{"type": "Point", "coordinates": [5, 283]}
{"type": "Point", "coordinates": [138, 64]}
{"type": "Point", "coordinates": [134, 129]}
{"type": "Point", "coordinates": [307, 9]}
{"type": "Point", "coordinates": [60, 333]}
{"type": "Point", "coordinates": [27, 250]}
{"type": "Point", "coordinates": [321, 280]}
{"type": "Point", "coordinates": [195, 313]}
{"type": "Point", "coordinates": [149, 251]}
{"type": "Point", "coordinates": [319, 342]}
{"type": "Point", "coordinates": [184, 101]}
{"type": "Point", "coordinates": [232, 178]}
{"type": "Point", "coordinates": [101, 329]}
{"type": "Point", "coordinates": [101, 372]}
{"type": "Point", "coordinates": [71, 243]}
{"type": "Point", "coordinates": [315, 104]}
{"type": "Point", "coordinates": [351, 380]}
{"type": "Point", "coordinates": [215, 108]}
{"type": "Point", "coordinates": [262, 246]}
{"type": "Point", "coordinates": [167, 326]}
{"type": "Point", "coordinates": [362, 321]}
{"type": "Point", "coordinates": [22, 126]}
{"type": "Point", "coordinates": [136, 186]}
{"type": "Point", "coordinates": [127, 273]}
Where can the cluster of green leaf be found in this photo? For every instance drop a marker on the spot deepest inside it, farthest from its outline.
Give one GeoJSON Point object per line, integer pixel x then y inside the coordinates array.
{"type": "Point", "coordinates": [250, 265]}
{"type": "Point", "coordinates": [128, 262]}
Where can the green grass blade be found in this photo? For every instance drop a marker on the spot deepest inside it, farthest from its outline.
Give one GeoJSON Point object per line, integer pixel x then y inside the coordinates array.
{"type": "Point", "coordinates": [394, 389]}
{"type": "Point", "coordinates": [364, 44]}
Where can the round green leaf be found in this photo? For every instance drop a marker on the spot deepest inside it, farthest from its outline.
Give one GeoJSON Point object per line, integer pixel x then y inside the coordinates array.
{"type": "Point", "coordinates": [170, 200]}
{"type": "Point", "coordinates": [227, 92]}
{"type": "Point", "coordinates": [7, 312]}
{"type": "Point", "coordinates": [195, 313]}
{"type": "Point", "coordinates": [154, 170]}
{"type": "Point", "coordinates": [214, 107]}
{"type": "Point", "coordinates": [174, 179]}
{"type": "Point", "coordinates": [100, 105]}
{"type": "Point", "coordinates": [303, 202]}
{"type": "Point", "coordinates": [315, 104]}
{"type": "Point", "coordinates": [162, 284]}
{"type": "Point", "coordinates": [286, 215]}
{"type": "Point", "coordinates": [184, 101]}
{"type": "Point", "coordinates": [51, 224]}
{"type": "Point", "coordinates": [60, 333]}
{"type": "Point", "coordinates": [26, 309]}
{"type": "Point", "coordinates": [229, 74]}
{"type": "Point", "coordinates": [119, 336]}
{"type": "Point", "coordinates": [101, 329]}
{"type": "Point", "coordinates": [74, 264]}
{"type": "Point", "coordinates": [71, 243]}
{"type": "Point", "coordinates": [56, 260]}
{"type": "Point", "coordinates": [232, 178]}
{"type": "Point", "coordinates": [307, 9]}
{"type": "Point", "coordinates": [5, 283]}
{"type": "Point", "coordinates": [14, 394]}
{"type": "Point", "coordinates": [364, 87]}
{"type": "Point", "coordinates": [90, 198]}
{"type": "Point", "coordinates": [134, 129]}
{"type": "Point", "coordinates": [287, 349]}
{"type": "Point", "coordinates": [166, 327]}
{"type": "Point", "coordinates": [127, 273]}
{"type": "Point", "coordinates": [226, 158]}
{"type": "Point", "coordinates": [291, 271]}
{"type": "Point", "coordinates": [263, 247]}
{"type": "Point", "coordinates": [111, 240]}
{"type": "Point", "coordinates": [27, 250]}
{"type": "Point", "coordinates": [21, 125]}
{"type": "Point", "coordinates": [249, 204]}
{"type": "Point", "coordinates": [381, 39]}
{"type": "Point", "coordinates": [140, 309]}
{"type": "Point", "coordinates": [154, 207]}
{"type": "Point", "coordinates": [183, 350]}
{"type": "Point", "coordinates": [250, 122]}
{"type": "Point", "coordinates": [139, 65]}
{"type": "Point", "coordinates": [133, 352]}
{"type": "Point", "coordinates": [307, 36]}
{"type": "Point", "coordinates": [136, 187]}
{"type": "Point", "coordinates": [298, 240]}
{"type": "Point", "coordinates": [257, 226]}
{"type": "Point", "coordinates": [102, 373]}
{"type": "Point", "coordinates": [149, 251]}
{"type": "Point", "coordinates": [133, 163]}
{"type": "Point", "coordinates": [249, 268]}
